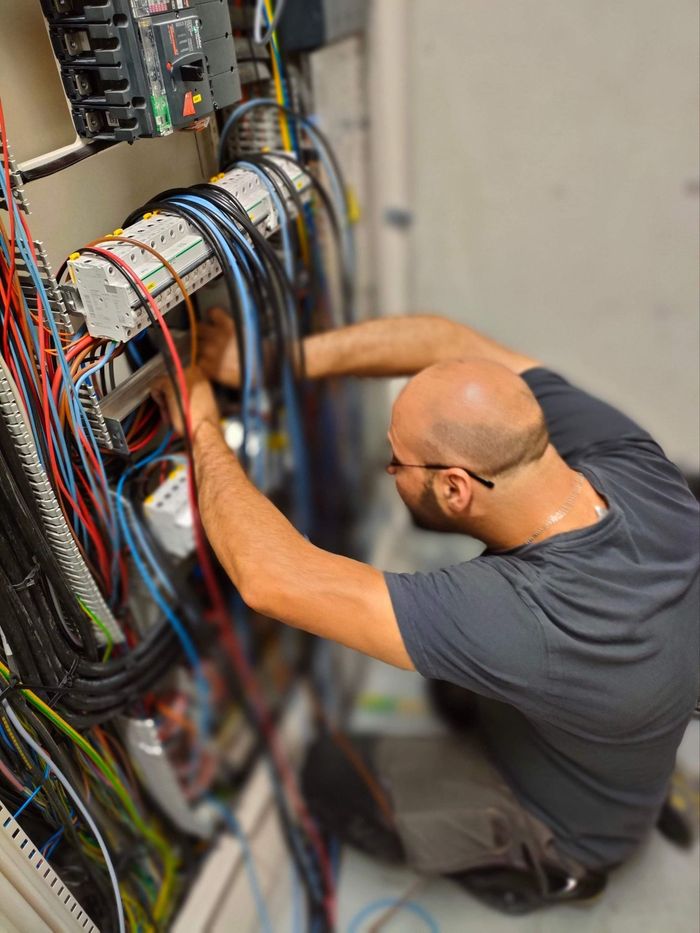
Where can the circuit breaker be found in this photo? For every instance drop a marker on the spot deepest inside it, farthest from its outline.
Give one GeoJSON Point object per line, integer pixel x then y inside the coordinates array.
{"type": "Point", "coordinates": [135, 68]}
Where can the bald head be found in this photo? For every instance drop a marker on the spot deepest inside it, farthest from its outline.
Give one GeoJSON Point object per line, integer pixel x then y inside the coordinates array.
{"type": "Point", "coordinates": [472, 413]}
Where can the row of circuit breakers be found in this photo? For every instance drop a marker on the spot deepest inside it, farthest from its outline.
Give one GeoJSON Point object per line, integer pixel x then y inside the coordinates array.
{"type": "Point", "coordinates": [139, 68]}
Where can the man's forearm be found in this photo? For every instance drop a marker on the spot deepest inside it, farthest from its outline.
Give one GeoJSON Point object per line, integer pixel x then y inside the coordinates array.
{"type": "Point", "coordinates": [244, 528]}
{"type": "Point", "coordinates": [401, 346]}
{"type": "Point", "coordinates": [281, 574]}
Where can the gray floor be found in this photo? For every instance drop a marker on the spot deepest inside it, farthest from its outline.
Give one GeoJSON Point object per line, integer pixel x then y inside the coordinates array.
{"type": "Point", "coordinates": [656, 892]}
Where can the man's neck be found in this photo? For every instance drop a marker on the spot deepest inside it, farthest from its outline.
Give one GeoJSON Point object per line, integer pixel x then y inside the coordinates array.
{"type": "Point", "coordinates": [545, 499]}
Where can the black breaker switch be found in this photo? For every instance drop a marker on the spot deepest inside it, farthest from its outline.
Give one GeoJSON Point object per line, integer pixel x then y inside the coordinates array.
{"type": "Point", "coordinates": [135, 68]}
{"type": "Point", "coordinates": [192, 72]}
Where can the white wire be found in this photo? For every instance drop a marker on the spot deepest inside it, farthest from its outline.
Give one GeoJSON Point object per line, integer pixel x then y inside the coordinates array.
{"type": "Point", "coordinates": [79, 804]}
{"type": "Point", "coordinates": [259, 39]}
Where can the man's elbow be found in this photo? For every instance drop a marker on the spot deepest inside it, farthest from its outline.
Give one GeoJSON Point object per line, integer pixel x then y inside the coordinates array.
{"type": "Point", "coordinates": [260, 592]}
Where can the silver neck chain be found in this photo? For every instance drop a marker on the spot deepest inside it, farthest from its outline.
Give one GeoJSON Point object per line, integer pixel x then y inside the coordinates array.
{"type": "Point", "coordinates": [561, 512]}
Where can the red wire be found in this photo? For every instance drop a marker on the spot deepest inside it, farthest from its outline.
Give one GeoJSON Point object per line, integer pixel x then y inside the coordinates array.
{"type": "Point", "coordinates": [133, 448]}
{"type": "Point", "coordinates": [78, 505]}
{"type": "Point", "coordinates": [220, 613]}
{"type": "Point", "coordinates": [11, 213]}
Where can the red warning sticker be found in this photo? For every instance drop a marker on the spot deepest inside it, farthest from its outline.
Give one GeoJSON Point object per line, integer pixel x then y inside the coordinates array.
{"type": "Point", "coordinates": [189, 109]}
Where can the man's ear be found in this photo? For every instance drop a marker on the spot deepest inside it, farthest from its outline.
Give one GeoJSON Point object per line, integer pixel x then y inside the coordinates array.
{"type": "Point", "coordinates": [456, 488]}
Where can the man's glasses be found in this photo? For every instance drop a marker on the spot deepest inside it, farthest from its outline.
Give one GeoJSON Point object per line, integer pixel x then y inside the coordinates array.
{"type": "Point", "coordinates": [394, 462]}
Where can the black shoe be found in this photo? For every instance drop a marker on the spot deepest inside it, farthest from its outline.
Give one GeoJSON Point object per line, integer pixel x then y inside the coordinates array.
{"type": "Point", "coordinates": [518, 892]}
{"type": "Point", "coordinates": [676, 825]}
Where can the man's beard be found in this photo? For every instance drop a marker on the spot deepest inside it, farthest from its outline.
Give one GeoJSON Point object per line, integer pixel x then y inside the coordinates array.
{"type": "Point", "coordinates": [426, 513]}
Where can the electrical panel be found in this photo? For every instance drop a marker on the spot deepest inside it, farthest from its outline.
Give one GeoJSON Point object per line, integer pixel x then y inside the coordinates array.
{"type": "Point", "coordinates": [151, 724]}
{"type": "Point", "coordinates": [140, 68]}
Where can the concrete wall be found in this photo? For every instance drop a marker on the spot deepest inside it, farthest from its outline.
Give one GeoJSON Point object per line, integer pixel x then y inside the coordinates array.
{"type": "Point", "coordinates": [554, 163]}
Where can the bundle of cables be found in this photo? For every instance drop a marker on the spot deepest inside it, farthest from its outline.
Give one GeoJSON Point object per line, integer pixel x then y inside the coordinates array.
{"type": "Point", "coordinates": [53, 655]}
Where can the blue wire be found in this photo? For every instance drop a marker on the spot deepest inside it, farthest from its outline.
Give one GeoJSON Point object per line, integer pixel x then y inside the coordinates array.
{"type": "Point", "coordinates": [201, 684]}
{"type": "Point", "coordinates": [49, 852]}
{"type": "Point", "coordinates": [148, 551]}
{"type": "Point", "coordinates": [51, 843]}
{"type": "Point", "coordinates": [300, 850]}
{"type": "Point", "coordinates": [302, 518]}
{"type": "Point", "coordinates": [191, 203]}
{"type": "Point", "coordinates": [283, 83]}
{"type": "Point", "coordinates": [297, 900]}
{"type": "Point", "coordinates": [133, 351]}
{"type": "Point", "coordinates": [31, 796]}
{"type": "Point", "coordinates": [334, 851]}
{"type": "Point", "coordinates": [6, 740]}
{"type": "Point", "coordinates": [237, 830]}
{"type": "Point", "coordinates": [78, 412]}
{"type": "Point", "coordinates": [103, 362]}
{"type": "Point", "coordinates": [338, 193]}
{"type": "Point", "coordinates": [387, 903]}
{"type": "Point", "coordinates": [62, 454]}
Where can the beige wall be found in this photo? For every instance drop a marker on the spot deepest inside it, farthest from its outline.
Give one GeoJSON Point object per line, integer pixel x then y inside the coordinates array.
{"type": "Point", "coordinates": [93, 197]}
{"type": "Point", "coordinates": [554, 162]}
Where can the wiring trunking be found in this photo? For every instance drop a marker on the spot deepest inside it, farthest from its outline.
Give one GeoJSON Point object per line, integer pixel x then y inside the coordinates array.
{"type": "Point", "coordinates": [138, 68]}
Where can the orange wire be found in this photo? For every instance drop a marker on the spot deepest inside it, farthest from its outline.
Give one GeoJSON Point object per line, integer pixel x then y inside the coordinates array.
{"type": "Point", "coordinates": [177, 718]}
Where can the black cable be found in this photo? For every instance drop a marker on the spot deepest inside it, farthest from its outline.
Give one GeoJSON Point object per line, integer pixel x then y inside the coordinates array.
{"type": "Point", "coordinates": [115, 682]}
{"type": "Point", "coordinates": [65, 161]}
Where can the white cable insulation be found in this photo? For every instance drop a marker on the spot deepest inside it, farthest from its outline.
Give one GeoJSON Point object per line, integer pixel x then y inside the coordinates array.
{"type": "Point", "coordinates": [258, 38]}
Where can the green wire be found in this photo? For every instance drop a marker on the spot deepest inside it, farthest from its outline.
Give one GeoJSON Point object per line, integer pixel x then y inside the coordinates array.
{"type": "Point", "coordinates": [158, 842]}
{"type": "Point", "coordinates": [102, 627]}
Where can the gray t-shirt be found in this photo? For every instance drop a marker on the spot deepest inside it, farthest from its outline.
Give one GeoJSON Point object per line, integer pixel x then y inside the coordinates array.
{"type": "Point", "coordinates": [583, 648]}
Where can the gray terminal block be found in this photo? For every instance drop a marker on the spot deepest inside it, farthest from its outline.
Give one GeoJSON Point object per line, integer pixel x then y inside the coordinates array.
{"type": "Point", "coordinates": [108, 302]}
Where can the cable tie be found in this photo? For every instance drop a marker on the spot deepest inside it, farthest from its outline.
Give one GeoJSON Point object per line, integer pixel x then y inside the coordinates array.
{"type": "Point", "coordinates": [53, 692]}
{"type": "Point", "coordinates": [65, 685]}
{"type": "Point", "coordinates": [14, 683]}
{"type": "Point", "coordinates": [29, 580]}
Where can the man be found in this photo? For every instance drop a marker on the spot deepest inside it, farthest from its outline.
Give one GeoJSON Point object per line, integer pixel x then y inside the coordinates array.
{"type": "Point", "coordinates": [577, 628]}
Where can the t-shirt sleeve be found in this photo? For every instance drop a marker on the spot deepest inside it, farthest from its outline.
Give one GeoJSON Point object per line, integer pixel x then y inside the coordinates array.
{"type": "Point", "coordinates": [466, 624]}
{"type": "Point", "coordinates": [578, 421]}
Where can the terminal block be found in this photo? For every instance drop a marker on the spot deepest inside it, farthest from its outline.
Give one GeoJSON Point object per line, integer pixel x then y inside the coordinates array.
{"type": "Point", "coordinates": [109, 304]}
{"type": "Point", "coordinates": [140, 68]}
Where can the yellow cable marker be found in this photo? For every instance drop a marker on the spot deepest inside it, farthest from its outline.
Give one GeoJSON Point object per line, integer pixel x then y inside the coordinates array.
{"type": "Point", "coordinates": [352, 206]}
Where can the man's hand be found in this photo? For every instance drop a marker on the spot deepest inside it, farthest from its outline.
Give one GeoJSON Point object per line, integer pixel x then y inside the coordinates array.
{"type": "Point", "coordinates": [218, 348]}
{"type": "Point", "coordinates": [203, 405]}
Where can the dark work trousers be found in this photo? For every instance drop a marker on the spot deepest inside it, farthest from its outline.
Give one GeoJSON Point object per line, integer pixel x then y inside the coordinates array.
{"type": "Point", "coordinates": [435, 802]}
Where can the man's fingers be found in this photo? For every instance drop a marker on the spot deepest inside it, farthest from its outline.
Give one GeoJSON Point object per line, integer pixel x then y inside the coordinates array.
{"type": "Point", "coordinates": [219, 317]}
{"type": "Point", "coordinates": [206, 332]}
{"type": "Point", "coordinates": [208, 351]}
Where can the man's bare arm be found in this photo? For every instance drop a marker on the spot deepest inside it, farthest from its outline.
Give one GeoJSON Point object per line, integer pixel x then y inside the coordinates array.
{"type": "Point", "coordinates": [401, 346]}
{"type": "Point", "coordinates": [393, 346]}
{"type": "Point", "coordinates": [278, 572]}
